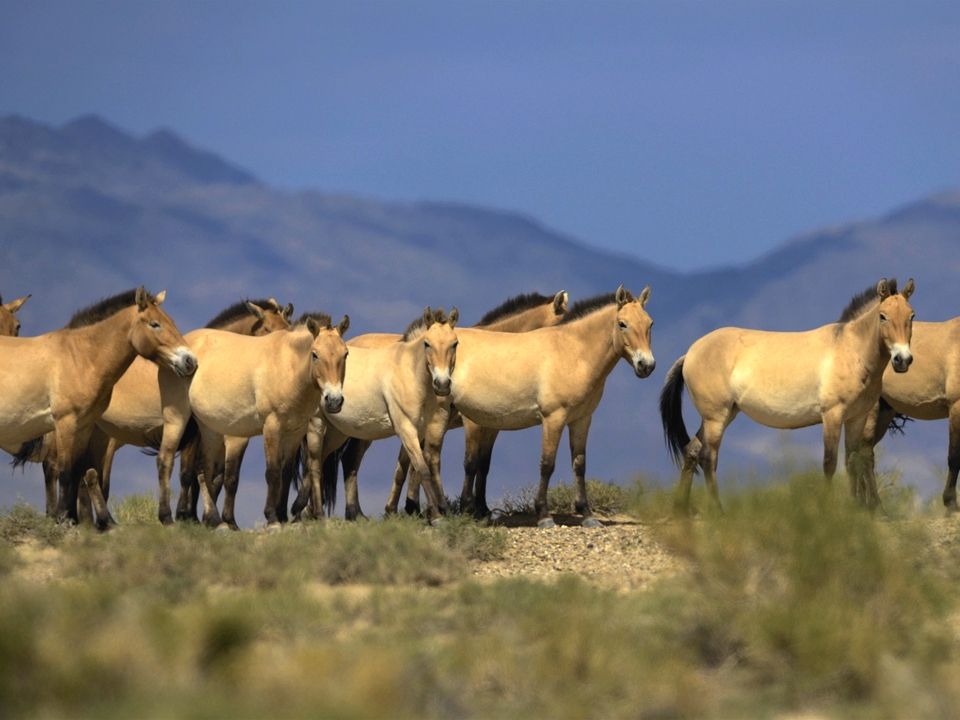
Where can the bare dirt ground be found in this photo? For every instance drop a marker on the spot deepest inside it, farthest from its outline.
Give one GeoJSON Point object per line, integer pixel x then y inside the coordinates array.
{"type": "Point", "coordinates": [620, 556]}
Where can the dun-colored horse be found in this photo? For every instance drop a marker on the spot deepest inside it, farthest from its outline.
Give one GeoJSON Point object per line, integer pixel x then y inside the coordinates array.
{"type": "Point", "coordinates": [248, 386]}
{"type": "Point", "coordinates": [553, 377]}
{"type": "Point", "coordinates": [389, 390]}
{"type": "Point", "coordinates": [930, 391]}
{"type": "Point", "coordinates": [62, 381]}
{"type": "Point", "coordinates": [9, 325]}
{"type": "Point", "coordinates": [521, 313]}
{"type": "Point", "coordinates": [831, 375]}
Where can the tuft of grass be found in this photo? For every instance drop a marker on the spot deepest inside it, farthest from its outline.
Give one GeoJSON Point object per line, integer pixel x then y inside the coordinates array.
{"type": "Point", "coordinates": [23, 522]}
{"type": "Point", "coordinates": [140, 509]}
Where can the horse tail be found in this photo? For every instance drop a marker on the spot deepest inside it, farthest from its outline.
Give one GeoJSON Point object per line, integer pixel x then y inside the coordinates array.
{"type": "Point", "coordinates": [328, 482]}
{"type": "Point", "coordinates": [671, 405]}
{"type": "Point", "coordinates": [297, 466]}
{"type": "Point", "coordinates": [30, 451]}
{"type": "Point", "coordinates": [898, 422]}
{"type": "Point", "coordinates": [191, 435]}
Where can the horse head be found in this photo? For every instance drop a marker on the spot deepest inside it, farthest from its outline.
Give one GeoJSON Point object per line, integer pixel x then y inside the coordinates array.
{"type": "Point", "coordinates": [328, 359]}
{"type": "Point", "coordinates": [156, 337]}
{"type": "Point", "coordinates": [632, 331]}
{"type": "Point", "coordinates": [9, 325]}
{"type": "Point", "coordinates": [270, 318]}
{"type": "Point", "coordinates": [440, 347]}
{"type": "Point", "coordinates": [896, 322]}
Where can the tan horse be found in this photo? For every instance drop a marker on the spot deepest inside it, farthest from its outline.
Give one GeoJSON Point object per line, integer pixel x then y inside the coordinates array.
{"type": "Point", "coordinates": [134, 414]}
{"type": "Point", "coordinates": [389, 390]}
{"type": "Point", "coordinates": [788, 380]}
{"type": "Point", "coordinates": [520, 313]}
{"type": "Point", "coordinates": [9, 325]}
{"type": "Point", "coordinates": [248, 386]}
{"type": "Point", "coordinates": [62, 381]}
{"type": "Point", "coordinates": [553, 377]}
{"type": "Point", "coordinates": [930, 391]}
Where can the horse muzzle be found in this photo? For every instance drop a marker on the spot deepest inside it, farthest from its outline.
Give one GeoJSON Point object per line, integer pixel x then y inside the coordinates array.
{"type": "Point", "coordinates": [333, 402]}
{"type": "Point", "coordinates": [901, 361]}
{"type": "Point", "coordinates": [643, 365]}
{"type": "Point", "coordinates": [183, 362]}
{"type": "Point", "coordinates": [441, 384]}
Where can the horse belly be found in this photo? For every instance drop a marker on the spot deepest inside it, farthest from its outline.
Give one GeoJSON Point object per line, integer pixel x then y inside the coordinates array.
{"type": "Point", "coordinates": [19, 425]}
{"type": "Point", "coordinates": [500, 415]}
{"type": "Point", "coordinates": [363, 423]}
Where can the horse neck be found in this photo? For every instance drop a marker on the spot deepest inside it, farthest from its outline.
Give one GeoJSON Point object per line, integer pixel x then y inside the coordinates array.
{"type": "Point", "coordinates": [524, 321]}
{"type": "Point", "coordinates": [592, 339]}
{"type": "Point", "coordinates": [107, 345]}
{"type": "Point", "coordinates": [298, 385]}
{"type": "Point", "coordinates": [866, 329]}
{"type": "Point", "coordinates": [240, 325]}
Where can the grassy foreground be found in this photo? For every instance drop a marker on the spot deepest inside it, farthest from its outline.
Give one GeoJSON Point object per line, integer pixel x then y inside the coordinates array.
{"type": "Point", "coordinates": [795, 602]}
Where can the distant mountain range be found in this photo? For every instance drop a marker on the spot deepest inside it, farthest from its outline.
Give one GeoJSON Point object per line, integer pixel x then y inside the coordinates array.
{"type": "Point", "coordinates": [87, 210]}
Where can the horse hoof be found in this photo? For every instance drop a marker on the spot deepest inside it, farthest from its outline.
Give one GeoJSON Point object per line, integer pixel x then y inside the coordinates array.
{"type": "Point", "coordinates": [223, 528]}
{"type": "Point", "coordinates": [546, 524]}
{"type": "Point", "coordinates": [274, 527]}
{"type": "Point", "coordinates": [437, 522]}
{"type": "Point", "coordinates": [591, 522]}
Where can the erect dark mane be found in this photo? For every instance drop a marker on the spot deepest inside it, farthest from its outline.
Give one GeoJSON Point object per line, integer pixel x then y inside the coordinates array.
{"type": "Point", "coordinates": [589, 306]}
{"type": "Point", "coordinates": [860, 302]}
{"type": "Point", "coordinates": [418, 327]}
{"type": "Point", "coordinates": [103, 309]}
{"type": "Point", "coordinates": [514, 306]}
{"type": "Point", "coordinates": [323, 320]}
{"type": "Point", "coordinates": [1, 299]}
{"type": "Point", "coordinates": [238, 310]}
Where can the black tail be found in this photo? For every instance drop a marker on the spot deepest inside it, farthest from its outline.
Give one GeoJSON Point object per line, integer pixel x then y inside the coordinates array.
{"type": "Point", "coordinates": [191, 434]}
{"type": "Point", "coordinates": [297, 466]}
{"type": "Point", "coordinates": [328, 482]}
{"type": "Point", "coordinates": [671, 406]}
{"type": "Point", "coordinates": [898, 423]}
{"type": "Point", "coordinates": [29, 451]}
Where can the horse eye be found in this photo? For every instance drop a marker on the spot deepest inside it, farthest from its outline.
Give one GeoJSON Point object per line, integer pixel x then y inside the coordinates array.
{"type": "Point", "coordinates": [426, 345]}
{"type": "Point", "coordinates": [155, 325]}
{"type": "Point", "coordinates": [455, 344]}
{"type": "Point", "coordinates": [883, 318]}
{"type": "Point", "coordinates": [623, 325]}
{"type": "Point", "coordinates": [314, 356]}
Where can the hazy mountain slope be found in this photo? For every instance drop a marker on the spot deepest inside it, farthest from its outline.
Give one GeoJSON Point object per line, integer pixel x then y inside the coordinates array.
{"type": "Point", "coordinates": [87, 210]}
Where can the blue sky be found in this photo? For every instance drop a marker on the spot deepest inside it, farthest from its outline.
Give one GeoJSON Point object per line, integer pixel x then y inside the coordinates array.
{"type": "Point", "coordinates": [691, 134]}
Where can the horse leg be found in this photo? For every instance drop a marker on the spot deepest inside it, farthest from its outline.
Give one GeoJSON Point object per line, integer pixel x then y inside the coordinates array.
{"type": "Point", "coordinates": [552, 430]}
{"type": "Point", "coordinates": [472, 441]}
{"type": "Point", "coordinates": [432, 446]}
{"type": "Point", "coordinates": [859, 459]}
{"type": "Point", "coordinates": [211, 447]}
{"type": "Point", "coordinates": [407, 432]}
{"type": "Point", "coordinates": [288, 459]}
{"type": "Point", "coordinates": [350, 460]}
{"type": "Point", "coordinates": [190, 466]}
{"type": "Point", "coordinates": [488, 438]}
{"type": "Point", "coordinates": [71, 441]}
{"type": "Point", "coordinates": [713, 430]}
{"type": "Point", "coordinates": [233, 456]}
{"type": "Point", "coordinates": [106, 473]}
{"type": "Point", "coordinates": [832, 425]}
{"type": "Point", "coordinates": [272, 451]}
{"type": "Point", "coordinates": [310, 488]}
{"type": "Point", "coordinates": [578, 431]}
{"type": "Point", "coordinates": [399, 478]}
{"type": "Point", "coordinates": [174, 424]}
{"type": "Point", "coordinates": [953, 460]}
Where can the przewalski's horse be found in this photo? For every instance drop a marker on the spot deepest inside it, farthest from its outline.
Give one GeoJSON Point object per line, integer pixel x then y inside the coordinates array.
{"type": "Point", "coordinates": [62, 381]}
{"type": "Point", "coordinates": [830, 376]}
{"type": "Point", "coordinates": [930, 391]}
{"type": "Point", "coordinates": [520, 313]}
{"type": "Point", "coordinates": [9, 325]}
{"type": "Point", "coordinates": [553, 377]}
{"type": "Point", "coordinates": [389, 390]}
{"type": "Point", "coordinates": [248, 386]}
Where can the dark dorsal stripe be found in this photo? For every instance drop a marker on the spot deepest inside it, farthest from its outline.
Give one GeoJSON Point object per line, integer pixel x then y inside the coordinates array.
{"type": "Point", "coordinates": [589, 306]}
{"type": "Point", "coordinates": [238, 310]}
{"type": "Point", "coordinates": [99, 311]}
{"type": "Point", "coordinates": [322, 319]}
{"type": "Point", "coordinates": [418, 327]}
{"type": "Point", "coordinates": [514, 306]}
{"type": "Point", "coordinates": [862, 301]}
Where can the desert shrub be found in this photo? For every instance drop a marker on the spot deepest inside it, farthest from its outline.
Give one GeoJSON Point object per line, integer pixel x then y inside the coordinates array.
{"type": "Point", "coordinates": [140, 509]}
{"type": "Point", "coordinates": [605, 498]}
{"type": "Point", "coordinates": [23, 522]}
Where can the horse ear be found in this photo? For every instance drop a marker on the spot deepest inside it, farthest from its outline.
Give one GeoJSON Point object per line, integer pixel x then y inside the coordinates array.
{"type": "Point", "coordinates": [161, 296]}
{"type": "Point", "coordinates": [344, 325]}
{"type": "Point", "coordinates": [313, 326]}
{"type": "Point", "coordinates": [274, 305]}
{"type": "Point", "coordinates": [427, 316]}
{"type": "Point", "coordinates": [453, 317]}
{"type": "Point", "coordinates": [644, 296]}
{"type": "Point", "coordinates": [883, 290]}
{"type": "Point", "coordinates": [141, 298]}
{"type": "Point", "coordinates": [560, 302]}
{"type": "Point", "coordinates": [287, 312]}
{"type": "Point", "coordinates": [17, 304]}
{"type": "Point", "coordinates": [622, 295]}
{"type": "Point", "coordinates": [255, 310]}
{"type": "Point", "coordinates": [907, 290]}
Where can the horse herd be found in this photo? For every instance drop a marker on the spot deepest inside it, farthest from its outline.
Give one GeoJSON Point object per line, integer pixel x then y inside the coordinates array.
{"type": "Point", "coordinates": [120, 372]}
